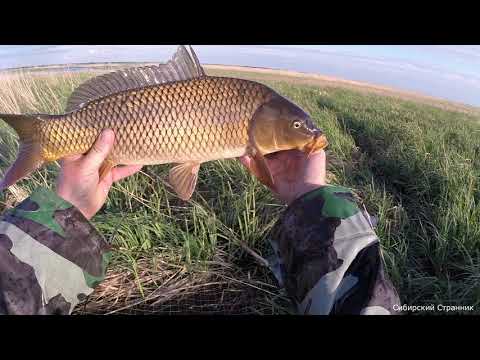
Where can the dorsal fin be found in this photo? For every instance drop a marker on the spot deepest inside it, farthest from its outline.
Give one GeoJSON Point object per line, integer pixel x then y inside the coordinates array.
{"type": "Point", "coordinates": [184, 65]}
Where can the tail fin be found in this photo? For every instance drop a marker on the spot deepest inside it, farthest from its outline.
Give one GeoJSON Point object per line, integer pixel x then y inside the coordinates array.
{"type": "Point", "coordinates": [29, 156]}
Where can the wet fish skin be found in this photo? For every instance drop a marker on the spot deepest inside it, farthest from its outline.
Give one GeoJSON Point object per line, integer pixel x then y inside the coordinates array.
{"type": "Point", "coordinates": [195, 120]}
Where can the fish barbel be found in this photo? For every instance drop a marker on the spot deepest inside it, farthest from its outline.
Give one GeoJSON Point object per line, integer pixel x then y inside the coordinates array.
{"type": "Point", "coordinates": [169, 113]}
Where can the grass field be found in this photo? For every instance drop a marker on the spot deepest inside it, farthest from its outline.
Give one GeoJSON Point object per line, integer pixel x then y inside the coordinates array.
{"type": "Point", "coordinates": [417, 167]}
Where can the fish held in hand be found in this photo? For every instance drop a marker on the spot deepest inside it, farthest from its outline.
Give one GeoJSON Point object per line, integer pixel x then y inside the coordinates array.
{"type": "Point", "coordinates": [167, 113]}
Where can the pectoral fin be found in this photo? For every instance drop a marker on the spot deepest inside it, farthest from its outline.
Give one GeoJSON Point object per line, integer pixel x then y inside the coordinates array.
{"type": "Point", "coordinates": [260, 169]}
{"type": "Point", "coordinates": [183, 178]}
{"type": "Point", "coordinates": [105, 168]}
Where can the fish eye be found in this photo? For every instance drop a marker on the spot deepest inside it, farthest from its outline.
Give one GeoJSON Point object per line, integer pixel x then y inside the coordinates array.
{"type": "Point", "coordinates": [297, 124]}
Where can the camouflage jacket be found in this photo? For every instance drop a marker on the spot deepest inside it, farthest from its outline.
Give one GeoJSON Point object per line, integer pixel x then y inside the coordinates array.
{"type": "Point", "coordinates": [328, 256]}
{"type": "Point", "coordinates": [51, 257]}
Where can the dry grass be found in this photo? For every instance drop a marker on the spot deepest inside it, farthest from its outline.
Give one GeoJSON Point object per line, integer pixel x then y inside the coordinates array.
{"type": "Point", "coordinates": [160, 285]}
{"type": "Point", "coordinates": [20, 91]}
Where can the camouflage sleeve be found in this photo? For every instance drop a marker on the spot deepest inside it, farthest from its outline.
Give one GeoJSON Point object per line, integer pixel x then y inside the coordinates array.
{"type": "Point", "coordinates": [328, 257]}
{"type": "Point", "coordinates": [51, 257]}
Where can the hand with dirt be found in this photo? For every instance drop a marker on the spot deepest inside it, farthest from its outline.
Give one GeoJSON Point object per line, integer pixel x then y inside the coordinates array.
{"type": "Point", "coordinates": [293, 172]}
{"type": "Point", "coordinates": [79, 181]}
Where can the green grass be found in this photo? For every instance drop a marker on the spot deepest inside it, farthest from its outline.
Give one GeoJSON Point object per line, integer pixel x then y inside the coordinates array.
{"type": "Point", "coordinates": [416, 167]}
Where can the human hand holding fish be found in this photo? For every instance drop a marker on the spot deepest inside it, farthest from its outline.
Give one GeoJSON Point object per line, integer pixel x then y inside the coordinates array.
{"type": "Point", "coordinates": [79, 182]}
{"type": "Point", "coordinates": [295, 173]}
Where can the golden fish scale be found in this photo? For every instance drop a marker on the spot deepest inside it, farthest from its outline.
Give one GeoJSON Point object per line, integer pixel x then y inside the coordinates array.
{"type": "Point", "coordinates": [200, 119]}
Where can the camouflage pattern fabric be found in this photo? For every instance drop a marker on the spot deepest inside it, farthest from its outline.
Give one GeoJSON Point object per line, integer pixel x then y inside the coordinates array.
{"type": "Point", "coordinates": [328, 258]}
{"type": "Point", "coordinates": [51, 257]}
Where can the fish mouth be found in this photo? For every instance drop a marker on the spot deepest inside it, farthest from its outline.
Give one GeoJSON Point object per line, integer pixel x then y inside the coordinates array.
{"type": "Point", "coordinates": [319, 142]}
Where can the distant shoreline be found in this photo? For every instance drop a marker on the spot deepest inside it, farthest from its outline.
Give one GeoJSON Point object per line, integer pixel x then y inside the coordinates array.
{"type": "Point", "coordinates": [272, 74]}
{"type": "Point", "coordinates": [364, 87]}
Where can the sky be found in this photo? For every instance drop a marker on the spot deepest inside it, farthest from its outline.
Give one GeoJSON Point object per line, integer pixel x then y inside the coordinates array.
{"type": "Point", "coordinates": [444, 71]}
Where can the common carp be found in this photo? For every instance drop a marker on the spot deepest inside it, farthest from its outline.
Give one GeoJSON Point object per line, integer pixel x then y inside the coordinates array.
{"type": "Point", "coordinates": [167, 113]}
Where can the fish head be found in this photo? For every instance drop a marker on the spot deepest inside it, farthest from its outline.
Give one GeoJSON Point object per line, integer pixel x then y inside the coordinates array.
{"type": "Point", "coordinates": [279, 125]}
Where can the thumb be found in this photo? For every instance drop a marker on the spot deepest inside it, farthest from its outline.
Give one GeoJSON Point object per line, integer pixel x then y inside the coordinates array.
{"type": "Point", "coordinates": [100, 150]}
